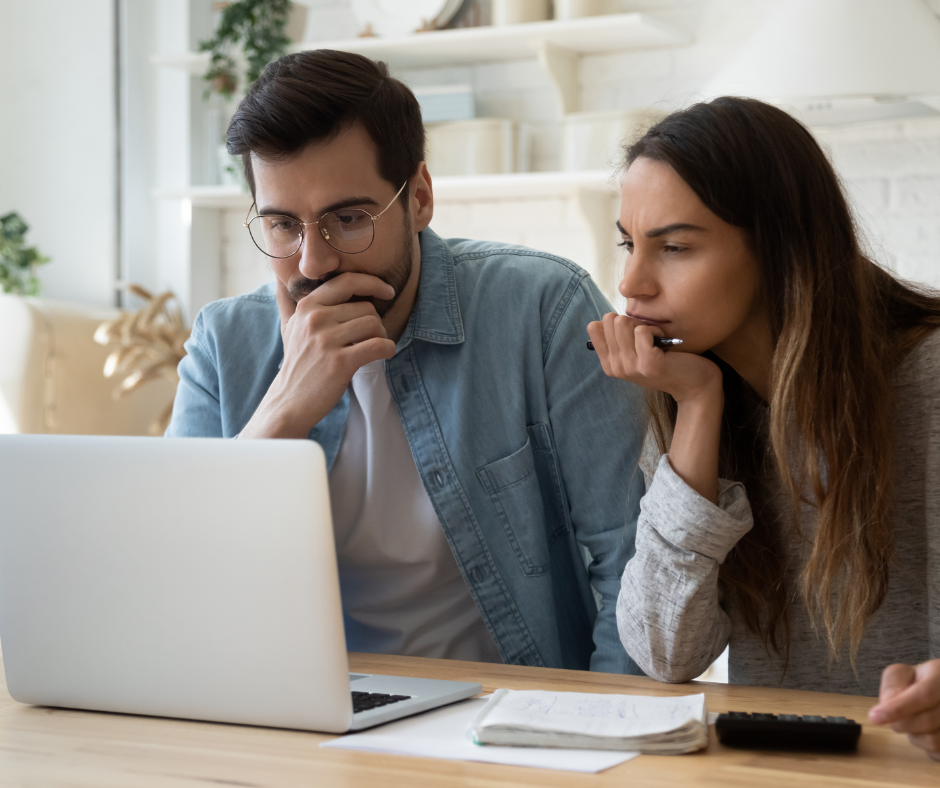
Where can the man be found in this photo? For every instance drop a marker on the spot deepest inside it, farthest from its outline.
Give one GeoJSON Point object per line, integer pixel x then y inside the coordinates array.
{"type": "Point", "coordinates": [482, 466]}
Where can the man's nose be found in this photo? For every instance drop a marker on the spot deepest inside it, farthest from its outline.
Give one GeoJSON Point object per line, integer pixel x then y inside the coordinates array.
{"type": "Point", "coordinates": [317, 257]}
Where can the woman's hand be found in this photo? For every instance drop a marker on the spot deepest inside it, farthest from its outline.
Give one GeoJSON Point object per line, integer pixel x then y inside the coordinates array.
{"type": "Point", "coordinates": [909, 701]}
{"type": "Point", "coordinates": [626, 351]}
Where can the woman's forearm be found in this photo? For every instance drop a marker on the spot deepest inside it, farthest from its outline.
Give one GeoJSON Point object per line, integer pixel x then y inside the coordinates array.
{"type": "Point", "coordinates": [669, 612]}
{"type": "Point", "coordinates": [693, 453]}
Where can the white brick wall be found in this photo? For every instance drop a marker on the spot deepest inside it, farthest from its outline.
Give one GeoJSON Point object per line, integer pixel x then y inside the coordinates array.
{"type": "Point", "coordinates": [892, 171]}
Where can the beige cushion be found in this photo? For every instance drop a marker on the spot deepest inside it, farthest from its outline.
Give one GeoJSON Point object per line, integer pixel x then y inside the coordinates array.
{"type": "Point", "coordinates": [51, 377]}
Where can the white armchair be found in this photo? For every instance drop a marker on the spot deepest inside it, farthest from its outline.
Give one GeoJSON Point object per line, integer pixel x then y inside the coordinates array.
{"type": "Point", "coordinates": [51, 378]}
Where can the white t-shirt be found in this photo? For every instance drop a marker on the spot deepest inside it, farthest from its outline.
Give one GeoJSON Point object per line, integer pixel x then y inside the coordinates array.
{"type": "Point", "coordinates": [402, 590]}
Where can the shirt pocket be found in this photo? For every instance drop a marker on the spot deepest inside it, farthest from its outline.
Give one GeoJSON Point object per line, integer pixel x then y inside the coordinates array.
{"type": "Point", "coordinates": [525, 489]}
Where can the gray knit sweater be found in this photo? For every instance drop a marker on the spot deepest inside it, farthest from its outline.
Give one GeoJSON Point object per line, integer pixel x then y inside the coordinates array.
{"type": "Point", "coordinates": [672, 615]}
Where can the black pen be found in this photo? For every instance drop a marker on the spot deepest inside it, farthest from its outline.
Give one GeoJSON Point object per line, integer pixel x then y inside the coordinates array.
{"type": "Point", "coordinates": [661, 342]}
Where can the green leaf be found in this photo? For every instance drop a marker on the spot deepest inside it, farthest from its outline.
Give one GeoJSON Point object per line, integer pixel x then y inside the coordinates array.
{"type": "Point", "coordinates": [258, 26]}
{"type": "Point", "coordinates": [16, 261]}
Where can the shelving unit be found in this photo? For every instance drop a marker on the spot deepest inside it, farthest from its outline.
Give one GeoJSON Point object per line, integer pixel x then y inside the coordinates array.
{"type": "Point", "coordinates": [557, 46]}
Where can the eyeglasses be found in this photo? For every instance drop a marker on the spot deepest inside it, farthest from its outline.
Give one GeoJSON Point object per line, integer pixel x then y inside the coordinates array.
{"type": "Point", "coordinates": [348, 230]}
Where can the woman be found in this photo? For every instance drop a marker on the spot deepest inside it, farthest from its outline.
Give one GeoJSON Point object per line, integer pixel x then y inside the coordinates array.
{"type": "Point", "coordinates": [793, 466]}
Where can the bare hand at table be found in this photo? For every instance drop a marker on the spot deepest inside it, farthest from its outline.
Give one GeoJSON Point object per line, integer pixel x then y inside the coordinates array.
{"type": "Point", "coordinates": [909, 701]}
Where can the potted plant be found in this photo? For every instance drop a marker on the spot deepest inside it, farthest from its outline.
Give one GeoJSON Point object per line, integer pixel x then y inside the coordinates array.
{"type": "Point", "coordinates": [17, 261]}
{"type": "Point", "coordinates": [260, 29]}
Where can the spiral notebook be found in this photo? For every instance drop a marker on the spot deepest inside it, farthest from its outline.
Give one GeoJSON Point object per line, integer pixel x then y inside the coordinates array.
{"type": "Point", "coordinates": [573, 720]}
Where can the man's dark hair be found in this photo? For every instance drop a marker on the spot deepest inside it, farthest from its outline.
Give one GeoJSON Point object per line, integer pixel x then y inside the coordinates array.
{"type": "Point", "coordinates": [313, 96]}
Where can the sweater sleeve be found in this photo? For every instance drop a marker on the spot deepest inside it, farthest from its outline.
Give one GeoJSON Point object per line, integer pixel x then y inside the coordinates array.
{"type": "Point", "coordinates": [668, 612]}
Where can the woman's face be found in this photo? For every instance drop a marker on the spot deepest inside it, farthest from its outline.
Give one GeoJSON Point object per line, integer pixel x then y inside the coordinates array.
{"type": "Point", "coordinates": [687, 271]}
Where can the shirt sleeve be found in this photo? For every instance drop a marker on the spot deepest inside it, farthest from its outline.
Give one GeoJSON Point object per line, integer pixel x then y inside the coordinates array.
{"type": "Point", "coordinates": [669, 612]}
{"type": "Point", "coordinates": [197, 408]}
{"type": "Point", "coordinates": [598, 425]}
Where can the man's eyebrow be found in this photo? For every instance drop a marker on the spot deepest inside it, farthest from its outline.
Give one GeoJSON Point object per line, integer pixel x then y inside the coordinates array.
{"type": "Point", "coordinates": [336, 206]}
{"type": "Point", "coordinates": [658, 232]}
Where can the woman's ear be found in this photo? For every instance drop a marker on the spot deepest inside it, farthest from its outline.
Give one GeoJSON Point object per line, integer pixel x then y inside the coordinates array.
{"type": "Point", "coordinates": [422, 199]}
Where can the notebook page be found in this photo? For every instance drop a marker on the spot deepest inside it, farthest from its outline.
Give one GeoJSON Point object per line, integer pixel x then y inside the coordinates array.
{"type": "Point", "coordinates": [592, 714]}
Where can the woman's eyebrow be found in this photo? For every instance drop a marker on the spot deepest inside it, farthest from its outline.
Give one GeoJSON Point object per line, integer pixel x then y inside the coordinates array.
{"type": "Point", "coordinates": [673, 228]}
{"type": "Point", "coordinates": [669, 228]}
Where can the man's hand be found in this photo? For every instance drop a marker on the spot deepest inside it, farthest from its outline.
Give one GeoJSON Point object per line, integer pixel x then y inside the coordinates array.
{"type": "Point", "coordinates": [909, 701]}
{"type": "Point", "coordinates": [327, 337]}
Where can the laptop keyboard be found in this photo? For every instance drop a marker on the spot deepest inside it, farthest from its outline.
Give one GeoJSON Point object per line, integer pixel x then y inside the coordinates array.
{"type": "Point", "coordinates": [363, 701]}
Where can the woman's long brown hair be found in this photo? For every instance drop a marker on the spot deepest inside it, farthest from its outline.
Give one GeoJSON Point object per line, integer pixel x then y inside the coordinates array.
{"type": "Point", "coordinates": [840, 324]}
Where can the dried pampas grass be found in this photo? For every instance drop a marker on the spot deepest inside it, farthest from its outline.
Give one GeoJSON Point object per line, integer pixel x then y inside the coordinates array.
{"type": "Point", "coordinates": [149, 346]}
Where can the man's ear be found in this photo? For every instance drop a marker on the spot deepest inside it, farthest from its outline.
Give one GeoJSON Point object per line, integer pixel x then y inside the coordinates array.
{"type": "Point", "coordinates": [422, 198]}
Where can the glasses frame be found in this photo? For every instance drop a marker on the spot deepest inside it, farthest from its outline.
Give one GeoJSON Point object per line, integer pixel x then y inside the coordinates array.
{"type": "Point", "coordinates": [323, 232]}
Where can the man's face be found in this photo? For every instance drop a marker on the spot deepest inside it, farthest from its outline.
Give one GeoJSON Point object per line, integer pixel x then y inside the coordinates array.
{"type": "Point", "coordinates": [327, 176]}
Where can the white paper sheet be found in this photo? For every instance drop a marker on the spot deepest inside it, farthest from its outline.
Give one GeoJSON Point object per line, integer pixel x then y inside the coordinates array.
{"type": "Point", "coordinates": [442, 734]}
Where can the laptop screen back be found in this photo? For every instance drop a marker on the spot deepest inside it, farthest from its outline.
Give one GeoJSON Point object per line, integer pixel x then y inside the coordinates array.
{"type": "Point", "coordinates": [175, 577]}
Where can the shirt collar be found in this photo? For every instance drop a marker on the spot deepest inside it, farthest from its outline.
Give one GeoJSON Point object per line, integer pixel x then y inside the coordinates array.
{"type": "Point", "coordinates": [436, 314]}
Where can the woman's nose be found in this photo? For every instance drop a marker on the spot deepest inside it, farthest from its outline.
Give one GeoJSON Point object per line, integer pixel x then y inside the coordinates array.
{"type": "Point", "coordinates": [638, 280]}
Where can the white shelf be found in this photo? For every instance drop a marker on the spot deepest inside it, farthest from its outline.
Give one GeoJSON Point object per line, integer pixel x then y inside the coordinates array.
{"type": "Point", "coordinates": [523, 185]}
{"type": "Point", "coordinates": [589, 35]}
{"type": "Point", "coordinates": [221, 197]}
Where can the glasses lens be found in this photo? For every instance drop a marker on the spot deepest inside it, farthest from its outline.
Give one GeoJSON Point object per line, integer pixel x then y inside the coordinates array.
{"type": "Point", "coordinates": [347, 231]}
{"type": "Point", "coordinates": [276, 236]}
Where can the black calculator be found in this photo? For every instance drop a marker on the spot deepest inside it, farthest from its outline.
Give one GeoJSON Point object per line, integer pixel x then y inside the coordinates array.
{"type": "Point", "coordinates": [787, 732]}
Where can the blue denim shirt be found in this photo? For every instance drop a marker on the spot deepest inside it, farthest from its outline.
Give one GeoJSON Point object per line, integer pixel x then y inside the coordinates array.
{"type": "Point", "coordinates": [527, 450]}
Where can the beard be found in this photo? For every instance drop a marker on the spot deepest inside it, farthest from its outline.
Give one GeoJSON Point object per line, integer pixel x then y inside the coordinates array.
{"type": "Point", "coordinates": [397, 274]}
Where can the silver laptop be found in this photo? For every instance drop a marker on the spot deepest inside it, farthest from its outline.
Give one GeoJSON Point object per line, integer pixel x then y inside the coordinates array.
{"type": "Point", "coordinates": [191, 578]}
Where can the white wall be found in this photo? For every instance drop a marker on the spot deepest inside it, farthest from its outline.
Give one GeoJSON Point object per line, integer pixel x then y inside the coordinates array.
{"type": "Point", "coordinates": [57, 140]}
{"type": "Point", "coordinates": [892, 172]}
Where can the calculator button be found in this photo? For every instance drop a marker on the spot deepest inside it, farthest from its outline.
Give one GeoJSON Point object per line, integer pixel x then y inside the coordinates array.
{"type": "Point", "coordinates": [738, 715]}
{"type": "Point", "coordinates": [836, 719]}
{"type": "Point", "coordinates": [788, 718]}
{"type": "Point", "coordinates": [813, 718]}
{"type": "Point", "coordinates": [763, 717]}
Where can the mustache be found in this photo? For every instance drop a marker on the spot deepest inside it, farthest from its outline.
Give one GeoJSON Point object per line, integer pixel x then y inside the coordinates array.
{"type": "Point", "coordinates": [303, 287]}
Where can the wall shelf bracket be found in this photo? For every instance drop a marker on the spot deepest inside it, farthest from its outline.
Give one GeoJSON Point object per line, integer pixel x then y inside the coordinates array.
{"type": "Point", "coordinates": [561, 65]}
{"type": "Point", "coordinates": [596, 210]}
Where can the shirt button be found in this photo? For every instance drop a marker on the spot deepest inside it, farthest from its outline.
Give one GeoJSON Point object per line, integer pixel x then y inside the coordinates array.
{"type": "Point", "coordinates": [479, 573]}
{"type": "Point", "coordinates": [438, 478]}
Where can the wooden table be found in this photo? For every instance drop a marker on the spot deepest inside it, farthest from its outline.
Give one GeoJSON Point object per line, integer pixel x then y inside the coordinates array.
{"type": "Point", "coordinates": [47, 747]}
